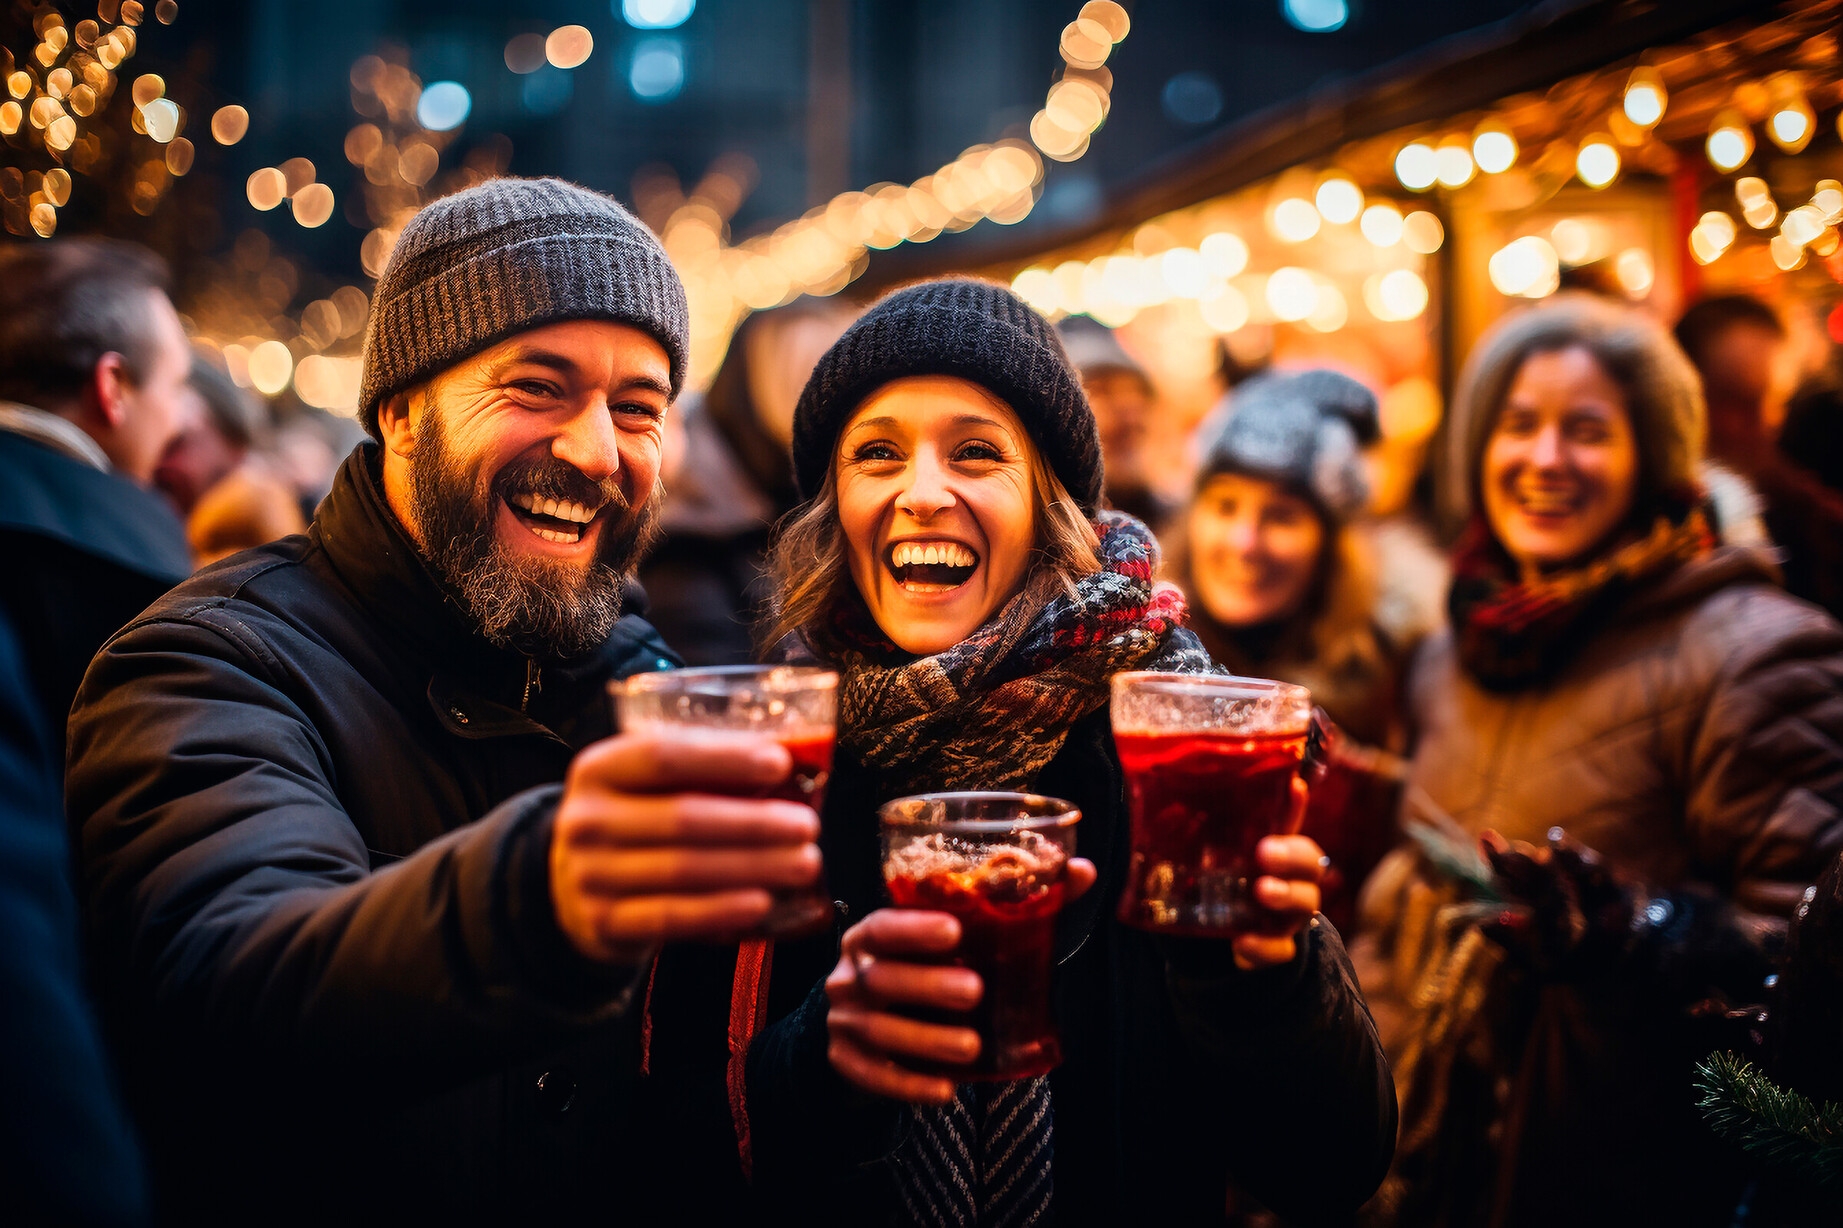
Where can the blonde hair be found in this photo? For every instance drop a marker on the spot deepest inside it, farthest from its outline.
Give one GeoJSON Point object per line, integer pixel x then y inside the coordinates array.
{"type": "Point", "coordinates": [809, 557]}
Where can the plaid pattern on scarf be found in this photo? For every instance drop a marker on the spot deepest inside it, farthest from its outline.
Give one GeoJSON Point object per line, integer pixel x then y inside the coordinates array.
{"type": "Point", "coordinates": [989, 712]}
{"type": "Point", "coordinates": [1510, 633]}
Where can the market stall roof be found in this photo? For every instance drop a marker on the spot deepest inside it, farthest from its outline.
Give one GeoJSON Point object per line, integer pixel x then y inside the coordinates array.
{"type": "Point", "coordinates": [1545, 43]}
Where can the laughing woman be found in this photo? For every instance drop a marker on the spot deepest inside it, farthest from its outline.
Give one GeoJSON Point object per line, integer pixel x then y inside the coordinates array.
{"type": "Point", "coordinates": [1646, 734]}
{"type": "Point", "coordinates": [953, 566]}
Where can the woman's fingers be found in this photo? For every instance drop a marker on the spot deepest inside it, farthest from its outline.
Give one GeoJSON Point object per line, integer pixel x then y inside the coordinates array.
{"type": "Point", "coordinates": [1255, 951]}
{"type": "Point", "coordinates": [882, 1077]}
{"type": "Point", "coordinates": [902, 1038]}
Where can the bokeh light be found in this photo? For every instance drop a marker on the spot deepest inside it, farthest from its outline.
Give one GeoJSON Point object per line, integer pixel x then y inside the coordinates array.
{"type": "Point", "coordinates": [443, 106]}
{"type": "Point", "coordinates": [230, 124]}
{"type": "Point", "coordinates": [569, 46]}
{"type": "Point", "coordinates": [656, 14]}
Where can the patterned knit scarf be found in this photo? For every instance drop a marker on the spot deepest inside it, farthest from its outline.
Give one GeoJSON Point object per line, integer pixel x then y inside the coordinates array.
{"type": "Point", "coordinates": [989, 712]}
{"type": "Point", "coordinates": [1511, 634]}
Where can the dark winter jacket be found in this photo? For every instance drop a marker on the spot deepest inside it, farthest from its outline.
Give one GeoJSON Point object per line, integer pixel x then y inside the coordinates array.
{"type": "Point", "coordinates": [1179, 1070]}
{"type": "Point", "coordinates": [315, 808]}
{"type": "Point", "coordinates": [83, 550]}
{"type": "Point", "coordinates": [1695, 741]}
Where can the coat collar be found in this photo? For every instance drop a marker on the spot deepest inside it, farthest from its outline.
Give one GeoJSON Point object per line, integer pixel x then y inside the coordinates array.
{"type": "Point", "coordinates": [97, 512]}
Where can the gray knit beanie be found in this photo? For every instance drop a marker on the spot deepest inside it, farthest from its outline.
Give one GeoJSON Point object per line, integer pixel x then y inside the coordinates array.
{"type": "Point", "coordinates": [509, 255]}
{"type": "Point", "coordinates": [977, 330]}
{"type": "Point", "coordinates": [1303, 430]}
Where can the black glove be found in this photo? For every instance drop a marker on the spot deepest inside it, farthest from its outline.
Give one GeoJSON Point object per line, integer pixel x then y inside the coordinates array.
{"type": "Point", "coordinates": [1567, 914]}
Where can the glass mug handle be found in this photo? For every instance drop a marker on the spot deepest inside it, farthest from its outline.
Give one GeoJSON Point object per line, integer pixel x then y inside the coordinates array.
{"type": "Point", "coordinates": [1321, 737]}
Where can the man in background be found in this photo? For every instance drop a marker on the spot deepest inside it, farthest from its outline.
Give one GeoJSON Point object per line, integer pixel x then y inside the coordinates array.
{"type": "Point", "coordinates": [93, 388]}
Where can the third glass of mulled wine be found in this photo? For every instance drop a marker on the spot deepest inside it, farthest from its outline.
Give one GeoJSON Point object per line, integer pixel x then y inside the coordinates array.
{"type": "Point", "coordinates": [795, 705]}
{"type": "Point", "coordinates": [998, 862]}
{"type": "Point", "coordinates": [1210, 762]}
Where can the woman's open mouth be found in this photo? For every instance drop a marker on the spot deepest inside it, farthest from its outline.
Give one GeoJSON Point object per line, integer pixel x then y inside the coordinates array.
{"type": "Point", "coordinates": [930, 566]}
{"type": "Point", "coordinates": [552, 520]}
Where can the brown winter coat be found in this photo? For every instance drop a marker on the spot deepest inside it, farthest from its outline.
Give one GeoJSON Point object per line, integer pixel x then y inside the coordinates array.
{"type": "Point", "coordinates": [1695, 742]}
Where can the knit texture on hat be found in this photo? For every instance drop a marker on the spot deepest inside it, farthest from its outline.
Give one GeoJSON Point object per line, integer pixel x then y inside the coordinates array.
{"type": "Point", "coordinates": [972, 329]}
{"type": "Point", "coordinates": [506, 256]}
{"type": "Point", "coordinates": [1302, 430]}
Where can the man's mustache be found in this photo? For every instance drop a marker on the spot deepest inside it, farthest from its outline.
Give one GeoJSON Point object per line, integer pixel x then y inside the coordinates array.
{"type": "Point", "coordinates": [548, 478]}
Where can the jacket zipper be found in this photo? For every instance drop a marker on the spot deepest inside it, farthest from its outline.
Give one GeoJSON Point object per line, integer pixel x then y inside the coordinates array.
{"type": "Point", "coordinates": [532, 683]}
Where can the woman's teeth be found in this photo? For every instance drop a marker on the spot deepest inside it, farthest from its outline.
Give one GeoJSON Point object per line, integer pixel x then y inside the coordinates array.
{"type": "Point", "coordinates": [931, 567]}
{"type": "Point", "coordinates": [932, 554]}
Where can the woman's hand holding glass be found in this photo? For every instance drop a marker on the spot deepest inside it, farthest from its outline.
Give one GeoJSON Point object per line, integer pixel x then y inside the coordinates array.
{"type": "Point", "coordinates": [1286, 893]}
{"type": "Point", "coordinates": [892, 971]}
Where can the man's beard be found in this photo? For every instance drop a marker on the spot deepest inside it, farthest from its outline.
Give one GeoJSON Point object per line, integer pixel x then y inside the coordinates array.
{"type": "Point", "coordinates": [528, 602]}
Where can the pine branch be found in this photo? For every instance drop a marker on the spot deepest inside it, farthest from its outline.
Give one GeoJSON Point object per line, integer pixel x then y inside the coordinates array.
{"type": "Point", "coordinates": [1778, 1125]}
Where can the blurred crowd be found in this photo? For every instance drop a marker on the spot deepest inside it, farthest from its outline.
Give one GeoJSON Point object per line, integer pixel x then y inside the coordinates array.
{"type": "Point", "coordinates": [1583, 804]}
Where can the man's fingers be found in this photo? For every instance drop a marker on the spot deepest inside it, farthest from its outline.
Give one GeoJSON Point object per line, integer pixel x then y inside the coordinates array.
{"type": "Point", "coordinates": [661, 870]}
{"type": "Point", "coordinates": [674, 918]}
{"type": "Point", "coordinates": [902, 931]}
{"type": "Point", "coordinates": [710, 760]}
{"type": "Point", "coordinates": [684, 818]}
{"type": "Point", "coordinates": [902, 1037]}
{"type": "Point", "coordinates": [883, 1077]}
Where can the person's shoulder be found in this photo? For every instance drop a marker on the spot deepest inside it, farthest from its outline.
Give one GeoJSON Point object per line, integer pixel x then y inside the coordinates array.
{"type": "Point", "coordinates": [254, 594]}
{"type": "Point", "coordinates": [635, 646]}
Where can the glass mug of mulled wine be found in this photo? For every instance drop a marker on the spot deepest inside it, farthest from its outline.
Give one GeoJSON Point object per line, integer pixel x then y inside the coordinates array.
{"type": "Point", "coordinates": [998, 862]}
{"type": "Point", "coordinates": [1210, 762]}
{"type": "Point", "coordinates": [796, 705]}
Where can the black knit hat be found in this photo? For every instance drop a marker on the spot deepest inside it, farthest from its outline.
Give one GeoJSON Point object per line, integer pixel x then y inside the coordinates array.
{"type": "Point", "coordinates": [509, 255]}
{"type": "Point", "coordinates": [1302, 430]}
{"type": "Point", "coordinates": [976, 330]}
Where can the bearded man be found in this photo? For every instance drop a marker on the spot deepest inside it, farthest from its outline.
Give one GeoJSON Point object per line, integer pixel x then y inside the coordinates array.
{"type": "Point", "coordinates": [387, 927]}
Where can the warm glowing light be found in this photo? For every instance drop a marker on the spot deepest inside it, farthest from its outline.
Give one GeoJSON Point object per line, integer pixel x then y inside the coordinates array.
{"type": "Point", "coordinates": [1109, 16]}
{"type": "Point", "coordinates": [1634, 271]}
{"type": "Point", "coordinates": [1597, 163]}
{"type": "Point", "coordinates": [1381, 225]}
{"type": "Point", "coordinates": [1416, 166]}
{"type": "Point", "coordinates": [1760, 214]}
{"type": "Point", "coordinates": [1704, 247]}
{"type": "Point", "coordinates": [11, 116]}
{"type": "Point", "coordinates": [313, 205]}
{"type": "Point", "coordinates": [1292, 294]}
{"type": "Point", "coordinates": [1750, 189]}
{"type": "Point", "coordinates": [266, 188]}
{"type": "Point", "coordinates": [1422, 232]}
{"type": "Point", "coordinates": [271, 366]}
{"type": "Point", "coordinates": [1802, 225]}
{"type": "Point", "coordinates": [1184, 271]}
{"type": "Point", "coordinates": [328, 383]}
{"type": "Point", "coordinates": [1331, 312]}
{"type": "Point", "coordinates": [297, 173]}
{"type": "Point", "coordinates": [1038, 287]}
{"type": "Point", "coordinates": [19, 84]}
{"type": "Point", "coordinates": [162, 119]}
{"type": "Point", "coordinates": [1526, 267]}
{"type": "Point", "coordinates": [1295, 220]}
{"type": "Point", "coordinates": [1076, 105]}
{"type": "Point", "coordinates": [1224, 253]}
{"type": "Point", "coordinates": [1395, 296]}
{"type": "Point", "coordinates": [1494, 149]}
{"type": "Point", "coordinates": [1645, 97]}
{"type": "Point", "coordinates": [57, 186]}
{"type": "Point", "coordinates": [61, 133]}
{"type": "Point", "coordinates": [1453, 165]}
{"type": "Point", "coordinates": [1730, 141]}
{"type": "Point", "coordinates": [1339, 200]}
{"type": "Point", "coordinates": [1573, 240]}
{"type": "Point", "coordinates": [44, 218]}
{"type": "Point", "coordinates": [1086, 43]}
{"type": "Point", "coordinates": [525, 53]}
{"type": "Point", "coordinates": [1787, 254]}
{"type": "Point", "coordinates": [229, 125]}
{"type": "Point", "coordinates": [417, 163]}
{"type": "Point", "coordinates": [1791, 121]}
{"type": "Point", "coordinates": [147, 87]}
{"type": "Point", "coordinates": [1829, 199]}
{"type": "Point", "coordinates": [1719, 226]}
{"type": "Point", "coordinates": [1226, 310]}
{"type": "Point", "coordinates": [179, 156]}
{"type": "Point", "coordinates": [569, 46]}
